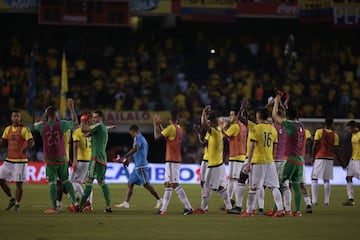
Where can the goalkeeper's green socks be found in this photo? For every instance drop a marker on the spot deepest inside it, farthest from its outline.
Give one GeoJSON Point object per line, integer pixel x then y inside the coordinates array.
{"type": "Point", "coordinates": [106, 192]}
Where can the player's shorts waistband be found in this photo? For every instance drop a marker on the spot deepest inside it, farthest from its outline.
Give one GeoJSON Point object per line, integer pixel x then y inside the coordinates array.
{"type": "Point", "coordinates": [325, 158]}
{"type": "Point", "coordinates": [295, 162]}
{"type": "Point", "coordinates": [16, 162]}
{"type": "Point", "coordinates": [216, 165]}
{"type": "Point", "coordinates": [204, 160]}
{"type": "Point", "coordinates": [83, 160]}
{"type": "Point", "coordinates": [280, 160]}
{"type": "Point", "coordinates": [236, 160]}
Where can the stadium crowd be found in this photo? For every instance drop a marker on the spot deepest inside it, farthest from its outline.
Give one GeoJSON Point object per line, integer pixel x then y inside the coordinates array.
{"type": "Point", "coordinates": [181, 69]}
{"type": "Point", "coordinates": [132, 73]}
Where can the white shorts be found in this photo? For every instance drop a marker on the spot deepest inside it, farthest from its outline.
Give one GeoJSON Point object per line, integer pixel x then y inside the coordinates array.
{"type": "Point", "coordinates": [14, 172]}
{"type": "Point", "coordinates": [235, 169]}
{"type": "Point", "coordinates": [203, 167]}
{"type": "Point", "coordinates": [353, 169]}
{"type": "Point", "coordinates": [322, 169]}
{"type": "Point", "coordinates": [263, 175]}
{"type": "Point", "coordinates": [172, 172]}
{"type": "Point", "coordinates": [81, 172]}
{"type": "Point", "coordinates": [215, 177]}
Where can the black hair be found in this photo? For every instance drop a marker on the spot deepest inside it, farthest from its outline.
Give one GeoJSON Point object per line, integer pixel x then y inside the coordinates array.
{"type": "Point", "coordinates": [329, 121]}
{"type": "Point", "coordinates": [291, 113]}
{"type": "Point", "coordinates": [352, 123]}
{"type": "Point", "coordinates": [134, 128]}
{"type": "Point", "coordinates": [15, 111]}
{"type": "Point", "coordinates": [51, 111]}
{"type": "Point", "coordinates": [100, 113]}
{"type": "Point", "coordinates": [264, 113]}
{"type": "Point", "coordinates": [174, 115]}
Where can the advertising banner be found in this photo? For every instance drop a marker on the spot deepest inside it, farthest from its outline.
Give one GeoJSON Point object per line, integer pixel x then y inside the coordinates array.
{"type": "Point", "coordinates": [346, 14]}
{"type": "Point", "coordinates": [315, 10]}
{"type": "Point", "coordinates": [189, 174]}
{"type": "Point", "coordinates": [267, 9]}
{"type": "Point", "coordinates": [134, 117]}
{"type": "Point", "coordinates": [207, 10]}
{"type": "Point", "coordinates": [19, 5]}
{"type": "Point", "coordinates": [150, 7]}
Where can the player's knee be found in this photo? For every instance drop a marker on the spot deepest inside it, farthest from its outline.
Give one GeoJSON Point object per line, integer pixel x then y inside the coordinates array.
{"type": "Point", "coordinates": [326, 181]}
{"type": "Point", "coordinates": [220, 188]}
{"type": "Point", "coordinates": [348, 179]}
{"type": "Point", "coordinates": [175, 185]}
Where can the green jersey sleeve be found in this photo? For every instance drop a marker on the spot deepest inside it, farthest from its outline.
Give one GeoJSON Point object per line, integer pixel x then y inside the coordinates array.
{"type": "Point", "coordinates": [38, 127]}
{"type": "Point", "coordinates": [66, 125]}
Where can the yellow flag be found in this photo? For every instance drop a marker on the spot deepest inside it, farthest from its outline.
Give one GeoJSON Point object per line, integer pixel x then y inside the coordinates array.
{"type": "Point", "coordinates": [64, 87]}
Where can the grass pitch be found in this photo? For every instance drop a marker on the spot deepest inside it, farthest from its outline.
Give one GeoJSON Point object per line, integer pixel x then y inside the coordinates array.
{"type": "Point", "coordinates": [139, 222]}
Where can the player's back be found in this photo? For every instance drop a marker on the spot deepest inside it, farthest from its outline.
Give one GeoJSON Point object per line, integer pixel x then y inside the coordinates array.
{"type": "Point", "coordinates": [215, 147]}
{"type": "Point", "coordinates": [326, 138]}
{"type": "Point", "coordinates": [265, 136]}
{"type": "Point", "coordinates": [295, 138]}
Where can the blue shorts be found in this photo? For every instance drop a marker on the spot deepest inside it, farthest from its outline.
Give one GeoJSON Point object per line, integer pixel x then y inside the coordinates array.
{"type": "Point", "coordinates": [140, 176]}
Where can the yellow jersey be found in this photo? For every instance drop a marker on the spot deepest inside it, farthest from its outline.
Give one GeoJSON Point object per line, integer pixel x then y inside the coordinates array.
{"type": "Point", "coordinates": [319, 134]}
{"type": "Point", "coordinates": [17, 142]}
{"type": "Point", "coordinates": [84, 149]}
{"type": "Point", "coordinates": [250, 125]}
{"type": "Point", "coordinates": [355, 143]}
{"type": "Point", "coordinates": [265, 136]}
{"type": "Point", "coordinates": [206, 154]}
{"type": "Point", "coordinates": [215, 147]}
{"type": "Point", "coordinates": [67, 136]}
{"type": "Point", "coordinates": [169, 132]}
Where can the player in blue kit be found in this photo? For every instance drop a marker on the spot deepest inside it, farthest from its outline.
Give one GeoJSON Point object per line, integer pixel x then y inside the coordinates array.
{"type": "Point", "coordinates": [141, 173]}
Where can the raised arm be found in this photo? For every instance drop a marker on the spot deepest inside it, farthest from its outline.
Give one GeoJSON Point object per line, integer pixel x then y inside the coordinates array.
{"type": "Point", "coordinates": [204, 122]}
{"type": "Point", "coordinates": [275, 110]}
{"type": "Point", "coordinates": [242, 114]}
{"type": "Point", "coordinates": [75, 154]}
{"type": "Point", "coordinates": [43, 116]}
{"type": "Point", "coordinates": [70, 103]}
{"type": "Point", "coordinates": [157, 127]}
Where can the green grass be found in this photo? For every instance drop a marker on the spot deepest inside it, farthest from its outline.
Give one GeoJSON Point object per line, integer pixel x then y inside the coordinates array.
{"type": "Point", "coordinates": [139, 222]}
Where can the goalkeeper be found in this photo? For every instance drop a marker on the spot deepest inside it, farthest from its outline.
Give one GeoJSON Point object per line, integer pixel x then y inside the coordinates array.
{"type": "Point", "coordinates": [141, 173]}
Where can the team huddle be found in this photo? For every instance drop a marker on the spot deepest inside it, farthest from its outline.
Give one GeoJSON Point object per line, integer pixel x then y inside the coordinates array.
{"type": "Point", "coordinates": [263, 154]}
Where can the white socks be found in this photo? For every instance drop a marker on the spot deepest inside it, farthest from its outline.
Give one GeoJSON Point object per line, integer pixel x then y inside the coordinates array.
{"type": "Point", "coordinates": [326, 192]}
{"type": "Point", "coordinates": [166, 199]}
{"type": "Point", "coordinates": [307, 199]}
{"type": "Point", "coordinates": [260, 197]}
{"type": "Point", "coordinates": [350, 190]}
{"type": "Point", "coordinates": [224, 194]}
{"type": "Point", "coordinates": [251, 201]}
{"type": "Point", "coordinates": [232, 187]}
{"type": "Point", "coordinates": [314, 191]}
{"type": "Point", "coordinates": [277, 198]}
{"type": "Point", "coordinates": [205, 198]}
{"type": "Point", "coordinates": [182, 196]}
{"type": "Point", "coordinates": [239, 194]}
{"type": "Point", "coordinates": [287, 198]}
